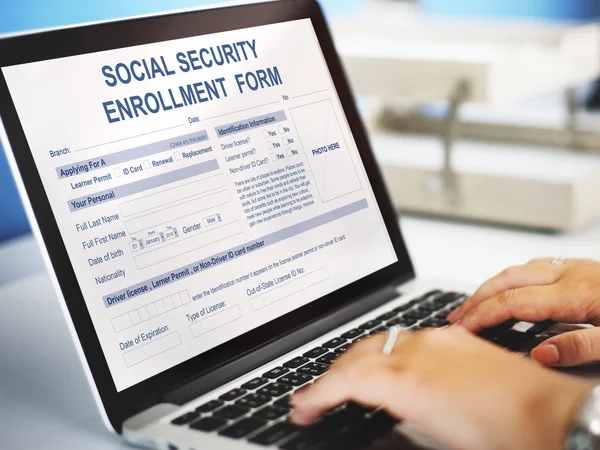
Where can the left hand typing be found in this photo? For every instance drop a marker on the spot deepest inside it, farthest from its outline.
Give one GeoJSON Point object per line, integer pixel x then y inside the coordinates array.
{"type": "Point", "coordinates": [462, 391]}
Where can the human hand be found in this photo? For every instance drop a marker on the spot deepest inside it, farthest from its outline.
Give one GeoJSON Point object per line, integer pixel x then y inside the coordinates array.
{"type": "Point", "coordinates": [460, 390]}
{"type": "Point", "coordinates": [540, 291]}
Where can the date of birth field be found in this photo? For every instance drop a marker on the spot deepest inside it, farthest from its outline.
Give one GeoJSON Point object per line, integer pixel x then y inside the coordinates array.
{"type": "Point", "coordinates": [149, 311]}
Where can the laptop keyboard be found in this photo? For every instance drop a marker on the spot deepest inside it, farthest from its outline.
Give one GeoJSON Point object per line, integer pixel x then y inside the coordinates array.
{"type": "Point", "coordinates": [258, 410]}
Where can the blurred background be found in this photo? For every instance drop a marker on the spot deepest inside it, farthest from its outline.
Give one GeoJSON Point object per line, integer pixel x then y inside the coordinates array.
{"type": "Point", "coordinates": [478, 110]}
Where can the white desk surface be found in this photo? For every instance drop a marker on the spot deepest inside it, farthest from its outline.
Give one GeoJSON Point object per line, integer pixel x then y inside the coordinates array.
{"type": "Point", "coordinates": [44, 399]}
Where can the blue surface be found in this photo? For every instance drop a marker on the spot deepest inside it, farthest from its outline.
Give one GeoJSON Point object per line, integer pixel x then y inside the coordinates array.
{"type": "Point", "coordinates": [18, 15]}
{"type": "Point", "coordinates": [544, 9]}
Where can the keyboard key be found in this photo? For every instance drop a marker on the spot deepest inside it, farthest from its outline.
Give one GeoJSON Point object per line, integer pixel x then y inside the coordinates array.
{"type": "Point", "coordinates": [275, 433]}
{"type": "Point", "coordinates": [380, 421]}
{"type": "Point", "coordinates": [402, 321]}
{"type": "Point", "coordinates": [329, 358]}
{"type": "Point", "coordinates": [310, 436]}
{"type": "Point", "coordinates": [231, 412]}
{"type": "Point", "coordinates": [284, 401]}
{"type": "Point", "coordinates": [370, 430]}
{"type": "Point", "coordinates": [253, 400]}
{"type": "Point", "coordinates": [275, 389]}
{"type": "Point", "coordinates": [378, 330]}
{"type": "Point", "coordinates": [315, 352]}
{"type": "Point", "coordinates": [417, 314]}
{"type": "Point", "coordinates": [296, 362]}
{"type": "Point", "coordinates": [208, 424]}
{"type": "Point", "coordinates": [387, 316]}
{"type": "Point", "coordinates": [295, 379]}
{"type": "Point", "coordinates": [272, 412]}
{"type": "Point", "coordinates": [314, 368]}
{"type": "Point", "coordinates": [427, 307]}
{"type": "Point", "coordinates": [345, 418]}
{"type": "Point", "coordinates": [333, 343]}
{"type": "Point", "coordinates": [512, 340]}
{"type": "Point", "coordinates": [342, 349]}
{"type": "Point", "coordinates": [232, 395]}
{"type": "Point", "coordinates": [539, 328]}
{"type": "Point", "coordinates": [210, 406]}
{"type": "Point", "coordinates": [429, 294]}
{"type": "Point", "coordinates": [243, 427]}
{"type": "Point", "coordinates": [442, 314]}
{"type": "Point", "coordinates": [352, 333]}
{"type": "Point", "coordinates": [435, 322]}
{"type": "Point", "coordinates": [450, 297]}
{"type": "Point", "coordinates": [405, 307]}
{"type": "Point", "coordinates": [446, 299]}
{"type": "Point", "coordinates": [185, 419]}
{"type": "Point", "coordinates": [438, 304]}
{"type": "Point", "coordinates": [490, 333]}
{"type": "Point", "coordinates": [255, 383]}
{"type": "Point", "coordinates": [370, 325]}
{"type": "Point", "coordinates": [276, 372]}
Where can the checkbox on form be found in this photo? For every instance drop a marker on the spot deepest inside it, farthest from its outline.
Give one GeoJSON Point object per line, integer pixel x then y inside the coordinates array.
{"type": "Point", "coordinates": [117, 171]}
{"type": "Point", "coordinates": [146, 164]}
{"type": "Point", "coordinates": [177, 156]}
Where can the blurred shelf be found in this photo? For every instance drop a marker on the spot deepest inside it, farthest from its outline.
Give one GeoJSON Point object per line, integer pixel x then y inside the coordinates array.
{"type": "Point", "coordinates": [504, 184]}
{"type": "Point", "coordinates": [392, 50]}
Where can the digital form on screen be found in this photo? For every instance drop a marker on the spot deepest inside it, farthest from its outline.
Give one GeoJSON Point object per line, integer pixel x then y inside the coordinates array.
{"type": "Point", "coordinates": [202, 186]}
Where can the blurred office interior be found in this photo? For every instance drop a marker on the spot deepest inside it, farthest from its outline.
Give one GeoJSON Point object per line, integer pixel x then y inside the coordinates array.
{"type": "Point", "coordinates": [485, 109]}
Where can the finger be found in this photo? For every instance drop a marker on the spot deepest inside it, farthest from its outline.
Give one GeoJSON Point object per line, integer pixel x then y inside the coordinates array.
{"type": "Point", "coordinates": [567, 261]}
{"type": "Point", "coordinates": [368, 380]}
{"type": "Point", "coordinates": [511, 278]}
{"type": "Point", "coordinates": [532, 303]}
{"type": "Point", "coordinates": [569, 349]}
{"type": "Point", "coordinates": [542, 261]}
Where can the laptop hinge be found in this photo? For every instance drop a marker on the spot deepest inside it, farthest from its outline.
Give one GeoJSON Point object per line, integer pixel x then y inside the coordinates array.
{"type": "Point", "coordinates": [250, 361]}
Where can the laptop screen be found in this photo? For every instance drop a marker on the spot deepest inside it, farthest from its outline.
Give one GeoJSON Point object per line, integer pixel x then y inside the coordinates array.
{"type": "Point", "coordinates": [202, 186]}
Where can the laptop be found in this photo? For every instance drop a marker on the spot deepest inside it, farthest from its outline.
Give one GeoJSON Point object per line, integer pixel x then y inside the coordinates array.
{"type": "Point", "coordinates": [214, 221]}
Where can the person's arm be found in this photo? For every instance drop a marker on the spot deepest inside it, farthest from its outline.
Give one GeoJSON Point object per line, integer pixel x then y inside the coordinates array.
{"type": "Point", "coordinates": [462, 391]}
{"type": "Point", "coordinates": [541, 291]}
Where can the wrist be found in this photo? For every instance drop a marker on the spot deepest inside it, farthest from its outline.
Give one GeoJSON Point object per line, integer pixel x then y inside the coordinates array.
{"type": "Point", "coordinates": [554, 409]}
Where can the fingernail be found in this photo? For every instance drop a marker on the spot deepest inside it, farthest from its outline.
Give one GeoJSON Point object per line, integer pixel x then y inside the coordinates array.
{"type": "Point", "coordinates": [546, 354]}
{"type": "Point", "coordinates": [456, 324]}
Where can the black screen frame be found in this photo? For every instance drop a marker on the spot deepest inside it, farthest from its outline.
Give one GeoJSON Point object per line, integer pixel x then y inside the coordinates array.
{"type": "Point", "coordinates": [138, 31]}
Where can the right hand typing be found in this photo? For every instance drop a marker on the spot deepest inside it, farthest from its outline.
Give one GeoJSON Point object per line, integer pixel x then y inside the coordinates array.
{"type": "Point", "coordinates": [540, 291]}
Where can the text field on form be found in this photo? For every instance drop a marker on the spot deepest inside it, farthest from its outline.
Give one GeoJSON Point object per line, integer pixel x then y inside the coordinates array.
{"type": "Point", "coordinates": [215, 320]}
{"type": "Point", "coordinates": [170, 196]}
{"type": "Point", "coordinates": [177, 212]}
{"type": "Point", "coordinates": [295, 285]}
{"type": "Point", "coordinates": [153, 348]}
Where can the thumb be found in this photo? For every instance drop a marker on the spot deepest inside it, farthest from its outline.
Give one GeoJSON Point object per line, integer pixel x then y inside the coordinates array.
{"type": "Point", "coordinates": [569, 349]}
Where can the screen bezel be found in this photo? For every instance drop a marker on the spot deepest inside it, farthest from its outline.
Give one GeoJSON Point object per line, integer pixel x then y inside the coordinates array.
{"type": "Point", "coordinates": [107, 36]}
